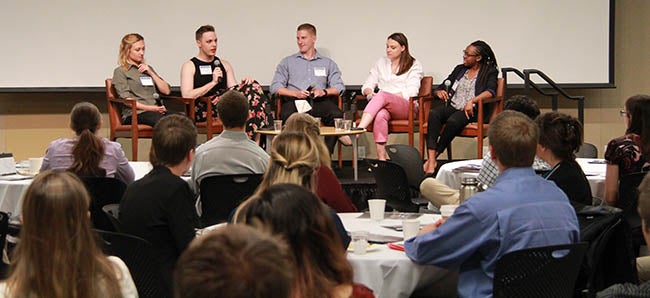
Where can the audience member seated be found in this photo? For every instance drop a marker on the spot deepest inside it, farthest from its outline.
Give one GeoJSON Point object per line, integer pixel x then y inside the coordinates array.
{"type": "Point", "coordinates": [440, 194]}
{"type": "Point", "coordinates": [521, 210]}
{"type": "Point", "coordinates": [475, 79]}
{"type": "Point", "coordinates": [295, 159]}
{"type": "Point", "coordinates": [57, 255]}
{"type": "Point", "coordinates": [291, 211]}
{"type": "Point", "coordinates": [160, 206]}
{"type": "Point", "coordinates": [87, 154]}
{"type": "Point", "coordinates": [232, 152]}
{"type": "Point", "coordinates": [306, 79]}
{"type": "Point", "coordinates": [397, 77]}
{"type": "Point", "coordinates": [208, 75]}
{"type": "Point", "coordinates": [135, 79]}
{"type": "Point", "coordinates": [627, 154]}
{"type": "Point", "coordinates": [328, 187]}
{"type": "Point", "coordinates": [560, 137]}
{"type": "Point", "coordinates": [237, 261]}
{"type": "Point", "coordinates": [631, 290]}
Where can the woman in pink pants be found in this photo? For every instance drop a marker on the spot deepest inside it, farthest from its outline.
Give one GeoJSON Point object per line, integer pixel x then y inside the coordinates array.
{"type": "Point", "coordinates": [398, 78]}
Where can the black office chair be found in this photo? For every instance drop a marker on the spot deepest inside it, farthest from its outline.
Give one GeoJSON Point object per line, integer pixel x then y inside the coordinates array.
{"type": "Point", "coordinates": [112, 211]}
{"type": "Point", "coordinates": [222, 194]}
{"type": "Point", "coordinates": [409, 158]}
{"type": "Point", "coordinates": [587, 151]}
{"type": "Point", "coordinates": [103, 191]}
{"type": "Point", "coordinates": [628, 201]}
{"type": "Point", "coordinates": [548, 271]}
{"type": "Point", "coordinates": [140, 258]}
{"type": "Point", "coordinates": [4, 230]}
{"type": "Point", "coordinates": [393, 185]}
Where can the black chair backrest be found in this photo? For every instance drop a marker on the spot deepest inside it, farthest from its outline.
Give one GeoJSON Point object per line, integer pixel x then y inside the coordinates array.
{"type": "Point", "coordinates": [4, 230]}
{"type": "Point", "coordinates": [409, 158]}
{"type": "Point", "coordinates": [587, 151]}
{"type": "Point", "coordinates": [628, 197]}
{"type": "Point", "coordinates": [103, 191]}
{"type": "Point", "coordinates": [392, 185]}
{"type": "Point", "coordinates": [112, 211]}
{"type": "Point", "coordinates": [222, 194]}
{"type": "Point", "coordinates": [140, 258]}
{"type": "Point", "coordinates": [548, 271]}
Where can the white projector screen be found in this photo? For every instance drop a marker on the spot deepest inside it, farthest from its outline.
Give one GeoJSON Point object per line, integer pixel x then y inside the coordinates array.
{"type": "Point", "coordinates": [74, 44]}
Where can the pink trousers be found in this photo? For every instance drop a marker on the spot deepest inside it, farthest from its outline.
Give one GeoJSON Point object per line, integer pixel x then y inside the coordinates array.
{"type": "Point", "coordinates": [384, 107]}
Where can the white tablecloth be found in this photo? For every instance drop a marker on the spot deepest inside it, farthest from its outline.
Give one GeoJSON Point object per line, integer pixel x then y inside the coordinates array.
{"type": "Point", "coordinates": [390, 273]}
{"type": "Point", "coordinates": [12, 192]}
{"type": "Point", "coordinates": [593, 168]}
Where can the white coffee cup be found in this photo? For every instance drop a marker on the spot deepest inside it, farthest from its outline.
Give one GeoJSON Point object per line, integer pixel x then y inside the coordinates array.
{"type": "Point", "coordinates": [410, 227]}
{"type": "Point", "coordinates": [447, 210]}
{"type": "Point", "coordinates": [377, 207]}
{"type": "Point", "coordinates": [359, 242]}
{"type": "Point", "coordinates": [35, 164]}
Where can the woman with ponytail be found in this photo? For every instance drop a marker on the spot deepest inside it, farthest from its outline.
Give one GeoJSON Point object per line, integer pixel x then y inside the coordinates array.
{"type": "Point", "coordinates": [87, 154]}
{"type": "Point", "coordinates": [469, 82]}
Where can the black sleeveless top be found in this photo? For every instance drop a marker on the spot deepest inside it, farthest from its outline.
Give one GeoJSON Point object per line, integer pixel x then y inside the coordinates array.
{"type": "Point", "coordinates": [200, 80]}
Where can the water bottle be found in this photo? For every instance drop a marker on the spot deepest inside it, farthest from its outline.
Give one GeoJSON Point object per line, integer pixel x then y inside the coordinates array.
{"type": "Point", "coordinates": [468, 187]}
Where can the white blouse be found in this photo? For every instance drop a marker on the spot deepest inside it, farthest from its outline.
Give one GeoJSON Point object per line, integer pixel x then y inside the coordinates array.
{"type": "Point", "coordinates": [405, 85]}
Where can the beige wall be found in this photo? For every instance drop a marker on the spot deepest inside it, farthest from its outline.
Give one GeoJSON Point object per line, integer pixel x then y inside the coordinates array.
{"type": "Point", "coordinates": [29, 121]}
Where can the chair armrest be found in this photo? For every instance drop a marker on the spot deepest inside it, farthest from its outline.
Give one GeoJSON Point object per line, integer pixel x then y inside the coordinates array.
{"type": "Point", "coordinates": [188, 102]}
{"type": "Point", "coordinates": [489, 100]}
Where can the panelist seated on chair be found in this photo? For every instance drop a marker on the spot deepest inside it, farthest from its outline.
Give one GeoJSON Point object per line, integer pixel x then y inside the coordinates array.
{"type": "Point", "coordinates": [87, 154]}
{"type": "Point", "coordinates": [398, 78]}
{"type": "Point", "coordinates": [307, 79]}
{"type": "Point", "coordinates": [160, 206]}
{"type": "Point", "coordinates": [475, 79]}
{"type": "Point", "coordinates": [522, 210]}
{"type": "Point", "coordinates": [232, 152]}
{"type": "Point", "coordinates": [210, 76]}
{"type": "Point", "coordinates": [135, 79]}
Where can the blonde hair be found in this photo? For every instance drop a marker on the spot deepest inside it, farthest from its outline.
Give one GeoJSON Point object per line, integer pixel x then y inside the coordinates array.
{"type": "Point", "coordinates": [125, 46]}
{"type": "Point", "coordinates": [57, 255]}
{"type": "Point", "coordinates": [305, 123]}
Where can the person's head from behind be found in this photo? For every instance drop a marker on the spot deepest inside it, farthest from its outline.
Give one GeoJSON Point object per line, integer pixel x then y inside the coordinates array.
{"type": "Point", "coordinates": [57, 254]}
{"type": "Point", "coordinates": [206, 40]}
{"type": "Point", "coordinates": [644, 207]}
{"type": "Point", "coordinates": [88, 152]}
{"type": "Point", "coordinates": [232, 109]}
{"type": "Point", "coordinates": [637, 113]}
{"type": "Point", "coordinates": [294, 159]}
{"type": "Point", "coordinates": [131, 50]}
{"type": "Point", "coordinates": [559, 134]}
{"type": "Point", "coordinates": [305, 123]}
{"type": "Point", "coordinates": [523, 104]}
{"type": "Point", "coordinates": [306, 37]}
{"type": "Point", "coordinates": [513, 139]}
{"type": "Point", "coordinates": [304, 222]}
{"type": "Point", "coordinates": [173, 141]}
{"type": "Point", "coordinates": [238, 260]}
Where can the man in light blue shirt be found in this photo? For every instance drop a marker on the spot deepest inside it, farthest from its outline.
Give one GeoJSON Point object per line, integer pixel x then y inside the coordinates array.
{"type": "Point", "coordinates": [307, 77]}
{"type": "Point", "coordinates": [521, 210]}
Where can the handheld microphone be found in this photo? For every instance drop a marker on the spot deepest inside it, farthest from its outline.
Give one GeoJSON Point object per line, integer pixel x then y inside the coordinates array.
{"type": "Point", "coordinates": [376, 90]}
{"type": "Point", "coordinates": [217, 63]}
{"type": "Point", "coordinates": [310, 88]}
{"type": "Point", "coordinates": [156, 97]}
{"type": "Point", "coordinates": [447, 84]}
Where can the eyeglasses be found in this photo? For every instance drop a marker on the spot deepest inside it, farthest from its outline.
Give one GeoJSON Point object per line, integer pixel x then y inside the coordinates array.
{"type": "Point", "coordinates": [469, 55]}
{"type": "Point", "coordinates": [623, 113]}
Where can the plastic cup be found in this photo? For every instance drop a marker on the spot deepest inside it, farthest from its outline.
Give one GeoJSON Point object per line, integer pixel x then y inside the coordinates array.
{"type": "Point", "coordinates": [35, 164]}
{"type": "Point", "coordinates": [447, 210]}
{"type": "Point", "coordinates": [277, 125]}
{"type": "Point", "coordinates": [359, 242]}
{"type": "Point", "coordinates": [410, 227]}
{"type": "Point", "coordinates": [377, 208]}
{"type": "Point", "coordinates": [338, 123]}
{"type": "Point", "coordinates": [347, 125]}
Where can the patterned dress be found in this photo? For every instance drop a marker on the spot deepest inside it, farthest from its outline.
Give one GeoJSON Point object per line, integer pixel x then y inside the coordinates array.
{"type": "Point", "coordinates": [625, 152]}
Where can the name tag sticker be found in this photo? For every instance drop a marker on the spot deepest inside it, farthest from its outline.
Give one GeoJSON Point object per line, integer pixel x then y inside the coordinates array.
{"type": "Point", "coordinates": [205, 70]}
{"type": "Point", "coordinates": [146, 81]}
{"type": "Point", "coordinates": [455, 86]}
{"type": "Point", "coordinates": [320, 72]}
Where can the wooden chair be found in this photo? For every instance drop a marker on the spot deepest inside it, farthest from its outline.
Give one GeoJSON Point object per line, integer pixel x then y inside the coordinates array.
{"type": "Point", "coordinates": [133, 130]}
{"type": "Point", "coordinates": [487, 109]}
{"type": "Point", "coordinates": [413, 123]}
{"type": "Point", "coordinates": [211, 125]}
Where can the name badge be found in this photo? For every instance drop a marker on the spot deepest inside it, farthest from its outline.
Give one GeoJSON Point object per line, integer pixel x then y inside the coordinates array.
{"type": "Point", "coordinates": [146, 81]}
{"type": "Point", "coordinates": [453, 87]}
{"type": "Point", "coordinates": [320, 72]}
{"type": "Point", "coordinates": [205, 70]}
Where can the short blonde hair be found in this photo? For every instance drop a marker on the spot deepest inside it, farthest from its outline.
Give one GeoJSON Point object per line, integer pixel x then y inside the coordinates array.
{"type": "Point", "coordinates": [125, 46]}
{"type": "Point", "coordinates": [514, 138]}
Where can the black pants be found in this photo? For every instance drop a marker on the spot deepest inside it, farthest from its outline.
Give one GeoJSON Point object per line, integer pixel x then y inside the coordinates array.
{"type": "Point", "coordinates": [147, 118]}
{"type": "Point", "coordinates": [454, 121]}
{"type": "Point", "coordinates": [321, 107]}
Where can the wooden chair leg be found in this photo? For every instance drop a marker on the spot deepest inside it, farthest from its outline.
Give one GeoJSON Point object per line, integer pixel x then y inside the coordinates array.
{"type": "Point", "coordinates": [134, 147]}
{"type": "Point", "coordinates": [340, 156]}
{"type": "Point", "coordinates": [479, 143]}
{"type": "Point", "coordinates": [449, 152]}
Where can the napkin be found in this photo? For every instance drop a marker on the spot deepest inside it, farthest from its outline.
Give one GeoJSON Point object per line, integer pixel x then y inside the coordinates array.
{"type": "Point", "coordinates": [302, 106]}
